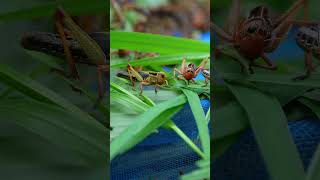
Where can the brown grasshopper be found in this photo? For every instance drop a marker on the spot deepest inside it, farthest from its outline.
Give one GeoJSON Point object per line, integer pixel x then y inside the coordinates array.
{"type": "Point", "coordinates": [190, 71]}
{"type": "Point", "coordinates": [78, 47]}
{"type": "Point", "coordinates": [258, 34]}
{"type": "Point", "coordinates": [146, 78]}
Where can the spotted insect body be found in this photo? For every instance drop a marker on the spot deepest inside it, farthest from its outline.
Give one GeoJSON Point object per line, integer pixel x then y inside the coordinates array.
{"type": "Point", "coordinates": [308, 38]}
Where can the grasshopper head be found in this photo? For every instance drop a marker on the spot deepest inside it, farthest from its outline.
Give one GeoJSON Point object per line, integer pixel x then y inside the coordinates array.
{"type": "Point", "coordinates": [162, 75]}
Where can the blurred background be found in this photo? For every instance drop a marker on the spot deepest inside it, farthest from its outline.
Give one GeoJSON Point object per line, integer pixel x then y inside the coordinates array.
{"type": "Point", "coordinates": [168, 17]}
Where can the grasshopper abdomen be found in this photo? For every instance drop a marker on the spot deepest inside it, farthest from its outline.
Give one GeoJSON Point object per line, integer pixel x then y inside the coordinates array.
{"type": "Point", "coordinates": [50, 43]}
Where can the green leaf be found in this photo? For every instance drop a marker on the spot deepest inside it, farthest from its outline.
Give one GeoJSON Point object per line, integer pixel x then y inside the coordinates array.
{"type": "Point", "coordinates": [145, 124]}
{"type": "Point", "coordinates": [274, 78]}
{"type": "Point", "coordinates": [127, 97]}
{"type": "Point", "coordinates": [58, 126]}
{"type": "Point", "coordinates": [33, 89]}
{"type": "Point", "coordinates": [203, 172]}
{"type": "Point", "coordinates": [144, 42]}
{"type": "Point", "coordinates": [222, 144]}
{"type": "Point", "coordinates": [200, 118]}
{"type": "Point", "coordinates": [268, 121]}
{"type": "Point", "coordinates": [229, 119]}
{"type": "Point", "coordinates": [313, 105]}
{"type": "Point", "coordinates": [313, 170]}
{"type": "Point", "coordinates": [170, 125]}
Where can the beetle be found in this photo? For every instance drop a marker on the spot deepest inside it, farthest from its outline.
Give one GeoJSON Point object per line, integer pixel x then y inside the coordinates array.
{"type": "Point", "coordinates": [258, 33]}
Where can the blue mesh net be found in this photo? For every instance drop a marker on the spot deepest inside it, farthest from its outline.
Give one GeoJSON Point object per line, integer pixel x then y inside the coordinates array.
{"type": "Point", "coordinates": [243, 160]}
{"type": "Point", "coordinates": [161, 155]}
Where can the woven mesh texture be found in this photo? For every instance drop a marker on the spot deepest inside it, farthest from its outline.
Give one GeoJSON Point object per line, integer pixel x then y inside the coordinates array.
{"type": "Point", "coordinates": [161, 155]}
{"type": "Point", "coordinates": [242, 161]}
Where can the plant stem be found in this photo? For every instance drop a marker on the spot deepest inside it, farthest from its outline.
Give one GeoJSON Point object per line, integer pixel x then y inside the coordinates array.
{"type": "Point", "coordinates": [180, 133]}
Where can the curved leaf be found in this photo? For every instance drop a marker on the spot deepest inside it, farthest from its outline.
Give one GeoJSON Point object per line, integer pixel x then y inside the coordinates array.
{"type": "Point", "coordinates": [268, 121]}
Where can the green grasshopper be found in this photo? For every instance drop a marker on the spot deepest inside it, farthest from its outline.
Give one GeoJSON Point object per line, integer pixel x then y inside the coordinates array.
{"type": "Point", "coordinates": [147, 78]}
{"type": "Point", "coordinates": [79, 47]}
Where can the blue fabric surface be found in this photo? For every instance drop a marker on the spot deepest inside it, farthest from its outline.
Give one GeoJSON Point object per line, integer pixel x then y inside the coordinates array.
{"type": "Point", "coordinates": [161, 155]}
{"type": "Point", "coordinates": [242, 161]}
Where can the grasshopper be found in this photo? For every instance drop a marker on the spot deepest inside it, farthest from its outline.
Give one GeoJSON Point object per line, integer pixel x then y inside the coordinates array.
{"type": "Point", "coordinates": [146, 78]}
{"type": "Point", "coordinates": [78, 47]}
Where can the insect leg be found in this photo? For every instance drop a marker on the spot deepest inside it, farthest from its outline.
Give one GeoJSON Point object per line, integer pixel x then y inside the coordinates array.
{"type": "Point", "coordinates": [308, 64]}
{"type": "Point", "coordinates": [200, 67]}
{"type": "Point", "coordinates": [283, 25]}
{"type": "Point", "coordinates": [101, 88]}
{"type": "Point", "coordinates": [183, 66]}
{"type": "Point", "coordinates": [143, 83]}
{"type": "Point", "coordinates": [176, 70]}
{"type": "Point", "coordinates": [223, 35]}
{"type": "Point", "coordinates": [270, 64]}
{"type": "Point", "coordinates": [73, 69]}
{"type": "Point", "coordinates": [289, 13]}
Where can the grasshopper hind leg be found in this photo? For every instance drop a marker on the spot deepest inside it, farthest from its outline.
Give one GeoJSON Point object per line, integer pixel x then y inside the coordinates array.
{"type": "Point", "coordinates": [101, 88]}
{"type": "Point", "coordinates": [61, 30]}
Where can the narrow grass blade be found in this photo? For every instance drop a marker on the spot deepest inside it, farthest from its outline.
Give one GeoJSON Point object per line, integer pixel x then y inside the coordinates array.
{"type": "Point", "coordinates": [274, 78]}
{"type": "Point", "coordinates": [33, 89]}
{"type": "Point", "coordinates": [200, 118]}
{"type": "Point", "coordinates": [313, 170]}
{"type": "Point", "coordinates": [170, 125]}
{"type": "Point", "coordinates": [271, 131]}
{"type": "Point", "coordinates": [313, 105]}
{"type": "Point", "coordinates": [119, 89]}
{"type": "Point", "coordinates": [145, 124]}
{"type": "Point", "coordinates": [58, 126]}
{"type": "Point", "coordinates": [203, 172]}
{"type": "Point", "coordinates": [229, 119]}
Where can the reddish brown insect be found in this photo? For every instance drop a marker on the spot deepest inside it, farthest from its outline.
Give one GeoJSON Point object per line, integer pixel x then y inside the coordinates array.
{"type": "Point", "coordinates": [190, 71]}
{"type": "Point", "coordinates": [258, 34]}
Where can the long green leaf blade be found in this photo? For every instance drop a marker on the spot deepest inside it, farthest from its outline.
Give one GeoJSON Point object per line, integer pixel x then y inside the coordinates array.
{"type": "Point", "coordinates": [144, 42]}
{"type": "Point", "coordinates": [146, 123]}
{"type": "Point", "coordinates": [200, 118]}
{"type": "Point", "coordinates": [268, 121]}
